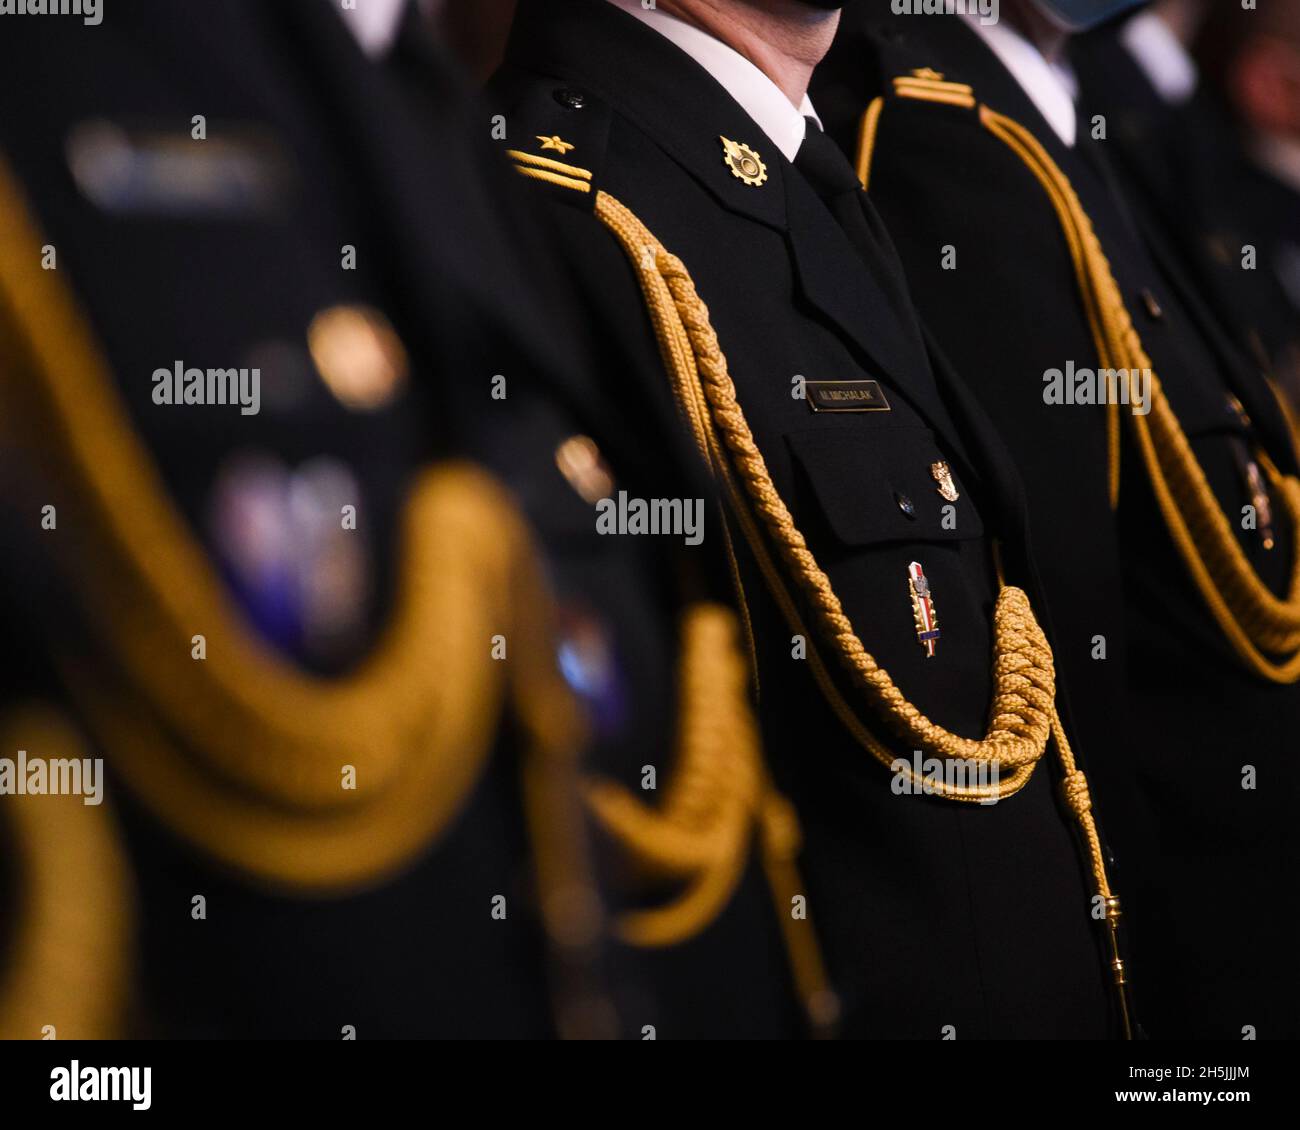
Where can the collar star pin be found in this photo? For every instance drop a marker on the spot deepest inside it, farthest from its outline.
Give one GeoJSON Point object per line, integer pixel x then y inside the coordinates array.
{"type": "Point", "coordinates": [923, 613]}
{"type": "Point", "coordinates": [942, 474]}
{"type": "Point", "coordinates": [744, 163]}
{"type": "Point", "coordinates": [557, 143]}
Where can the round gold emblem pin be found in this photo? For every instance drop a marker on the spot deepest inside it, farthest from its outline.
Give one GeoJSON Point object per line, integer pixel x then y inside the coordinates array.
{"type": "Point", "coordinates": [743, 162]}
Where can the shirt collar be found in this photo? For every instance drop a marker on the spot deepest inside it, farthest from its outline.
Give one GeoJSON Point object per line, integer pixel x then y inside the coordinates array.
{"type": "Point", "coordinates": [373, 23]}
{"type": "Point", "coordinates": [1050, 86]}
{"type": "Point", "coordinates": [758, 95]}
{"type": "Point", "coordinates": [1161, 55]}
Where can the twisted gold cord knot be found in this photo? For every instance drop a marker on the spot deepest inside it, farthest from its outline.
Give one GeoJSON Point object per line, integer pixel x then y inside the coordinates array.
{"type": "Point", "coordinates": [1024, 680]}
{"type": "Point", "coordinates": [1075, 790]}
{"type": "Point", "coordinates": [1023, 709]}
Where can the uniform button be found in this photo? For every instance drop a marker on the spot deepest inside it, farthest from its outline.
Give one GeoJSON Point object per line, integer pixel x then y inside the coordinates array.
{"type": "Point", "coordinates": [1152, 304]}
{"type": "Point", "coordinates": [905, 504]}
{"type": "Point", "coordinates": [358, 355]}
{"type": "Point", "coordinates": [585, 469]}
{"type": "Point", "coordinates": [571, 99]}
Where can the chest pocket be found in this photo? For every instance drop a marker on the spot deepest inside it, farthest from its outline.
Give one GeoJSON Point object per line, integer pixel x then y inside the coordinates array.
{"type": "Point", "coordinates": [883, 485]}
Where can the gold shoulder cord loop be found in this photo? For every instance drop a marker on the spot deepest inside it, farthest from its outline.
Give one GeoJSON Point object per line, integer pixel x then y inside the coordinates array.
{"type": "Point", "coordinates": [718, 798]}
{"type": "Point", "coordinates": [1263, 629]}
{"type": "Point", "coordinates": [242, 752]}
{"type": "Point", "coordinates": [701, 834]}
{"type": "Point", "coordinates": [1023, 673]}
{"type": "Point", "coordinates": [867, 130]}
{"type": "Point", "coordinates": [1023, 712]}
{"type": "Point", "coordinates": [67, 967]}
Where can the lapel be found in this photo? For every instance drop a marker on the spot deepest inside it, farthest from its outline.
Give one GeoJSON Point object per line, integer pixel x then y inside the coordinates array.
{"type": "Point", "coordinates": [684, 110]}
{"type": "Point", "coordinates": [867, 302]}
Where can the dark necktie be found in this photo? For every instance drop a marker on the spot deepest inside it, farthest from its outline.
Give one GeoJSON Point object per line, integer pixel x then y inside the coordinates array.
{"type": "Point", "coordinates": [830, 175]}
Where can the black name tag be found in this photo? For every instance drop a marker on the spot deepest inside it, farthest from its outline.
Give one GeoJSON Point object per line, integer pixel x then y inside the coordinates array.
{"type": "Point", "coordinates": [845, 396]}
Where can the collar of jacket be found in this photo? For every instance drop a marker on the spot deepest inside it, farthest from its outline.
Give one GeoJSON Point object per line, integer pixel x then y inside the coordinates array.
{"type": "Point", "coordinates": [646, 79]}
{"type": "Point", "coordinates": [654, 84]}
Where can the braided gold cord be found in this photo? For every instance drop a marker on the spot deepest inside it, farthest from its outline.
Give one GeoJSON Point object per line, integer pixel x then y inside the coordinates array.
{"type": "Point", "coordinates": [1024, 678]}
{"type": "Point", "coordinates": [242, 752]}
{"type": "Point", "coordinates": [67, 965]}
{"type": "Point", "coordinates": [867, 129]}
{"type": "Point", "coordinates": [868, 133]}
{"type": "Point", "coordinates": [1024, 713]}
{"type": "Point", "coordinates": [1253, 619]}
{"type": "Point", "coordinates": [717, 799]}
{"type": "Point", "coordinates": [701, 833]}
{"type": "Point", "coordinates": [255, 720]}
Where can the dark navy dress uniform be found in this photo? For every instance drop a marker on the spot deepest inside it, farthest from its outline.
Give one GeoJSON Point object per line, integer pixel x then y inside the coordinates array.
{"type": "Point", "coordinates": [342, 229]}
{"type": "Point", "coordinates": [1186, 167]}
{"type": "Point", "coordinates": [933, 916]}
{"type": "Point", "coordinates": [1196, 722]}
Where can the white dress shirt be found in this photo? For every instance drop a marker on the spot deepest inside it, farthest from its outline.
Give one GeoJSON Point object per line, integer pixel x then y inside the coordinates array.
{"type": "Point", "coordinates": [758, 95]}
{"type": "Point", "coordinates": [1051, 87]}
{"type": "Point", "coordinates": [1161, 55]}
{"type": "Point", "coordinates": [374, 23]}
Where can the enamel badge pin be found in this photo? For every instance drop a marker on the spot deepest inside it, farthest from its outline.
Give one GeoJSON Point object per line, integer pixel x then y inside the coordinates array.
{"type": "Point", "coordinates": [927, 623]}
{"type": "Point", "coordinates": [744, 163]}
{"type": "Point", "coordinates": [942, 475]}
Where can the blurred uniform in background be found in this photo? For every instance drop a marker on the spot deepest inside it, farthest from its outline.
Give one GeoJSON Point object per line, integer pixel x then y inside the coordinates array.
{"type": "Point", "coordinates": [727, 252]}
{"type": "Point", "coordinates": [1254, 66]}
{"type": "Point", "coordinates": [352, 709]}
{"type": "Point", "coordinates": [1228, 211]}
{"type": "Point", "coordinates": [1164, 521]}
{"type": "Point", "coordinates": [475, 31]}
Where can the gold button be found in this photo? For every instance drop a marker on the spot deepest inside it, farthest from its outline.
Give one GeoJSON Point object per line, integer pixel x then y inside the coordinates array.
{"type": "Point", "coordinates": [581, 463]}
{"type": "Point", "coordinates": [358, 355]}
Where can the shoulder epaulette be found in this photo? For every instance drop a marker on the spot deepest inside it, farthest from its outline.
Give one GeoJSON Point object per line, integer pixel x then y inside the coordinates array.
{"type": "Point", "coordinates": [556, 134]}
{"type": "Point", "coordinates": [921, 84]}
{"type": "Point", "coordinates": [929, 85]}
{"type": "Point", "coordinates": [550, 170]}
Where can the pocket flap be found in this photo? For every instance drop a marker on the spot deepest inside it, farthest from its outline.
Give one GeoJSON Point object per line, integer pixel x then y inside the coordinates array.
{"type": "Point", "coordinates": [883, 484]}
